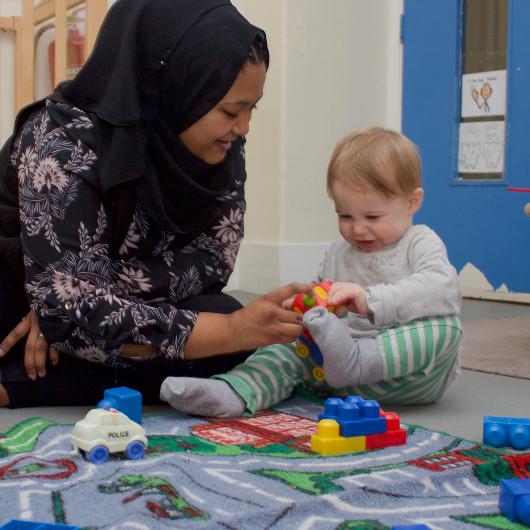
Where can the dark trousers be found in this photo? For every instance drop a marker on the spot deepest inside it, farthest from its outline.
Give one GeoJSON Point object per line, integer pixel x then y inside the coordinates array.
{"type": "Point", "coordinates": [75, 381]}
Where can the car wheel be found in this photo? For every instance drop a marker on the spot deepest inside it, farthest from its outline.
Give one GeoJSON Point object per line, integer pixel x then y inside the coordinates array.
{"type": "Point", "coordinates": [99, 454]}
{"type": "Point", "coordinates": [135, 450]}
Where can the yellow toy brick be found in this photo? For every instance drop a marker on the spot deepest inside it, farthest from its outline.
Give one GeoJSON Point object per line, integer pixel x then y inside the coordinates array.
{"type": "Point", "coordinates": [328, 441]}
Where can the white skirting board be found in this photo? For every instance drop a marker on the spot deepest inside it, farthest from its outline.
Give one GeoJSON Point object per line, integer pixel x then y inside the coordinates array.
{"type": "Point", "coordinates": [476, 285]}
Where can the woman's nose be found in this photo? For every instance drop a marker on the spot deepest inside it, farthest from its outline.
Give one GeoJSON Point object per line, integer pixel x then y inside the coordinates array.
{"type": "Point", "coordinates": [242, 125]}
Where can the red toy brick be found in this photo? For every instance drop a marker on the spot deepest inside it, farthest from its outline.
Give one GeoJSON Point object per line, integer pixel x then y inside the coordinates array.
{"type": "Point", "coordinates": [386, 439]}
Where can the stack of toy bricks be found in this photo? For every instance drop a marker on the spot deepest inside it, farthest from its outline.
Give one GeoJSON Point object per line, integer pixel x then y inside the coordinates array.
{"type": "Point", "coordinates": [355, 424]}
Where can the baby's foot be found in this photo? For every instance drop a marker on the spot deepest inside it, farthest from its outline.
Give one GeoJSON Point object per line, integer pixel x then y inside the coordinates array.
{"type": "Point", "coordinates": [339, 349]}
{"type": "Point", "coordinates": [202, 397]}
{"type": "Point", "coordinates": [347, 361]}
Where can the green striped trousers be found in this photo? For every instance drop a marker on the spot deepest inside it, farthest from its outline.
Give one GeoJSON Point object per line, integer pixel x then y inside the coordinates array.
{"type": "Point", "coordinates": [420, 359]}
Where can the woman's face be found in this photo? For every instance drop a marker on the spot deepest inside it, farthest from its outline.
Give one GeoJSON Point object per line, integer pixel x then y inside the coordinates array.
{"type": "Point", "coordinates": [211, 137]}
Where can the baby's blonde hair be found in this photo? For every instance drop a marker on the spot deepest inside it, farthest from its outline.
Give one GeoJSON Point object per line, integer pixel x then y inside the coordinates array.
{"type": "Point", "coordinates": [376, 159]}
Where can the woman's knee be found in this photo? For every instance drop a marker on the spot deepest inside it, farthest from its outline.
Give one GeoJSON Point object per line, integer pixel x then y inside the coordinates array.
{"type": "Point", "coordinates": [4, 398]}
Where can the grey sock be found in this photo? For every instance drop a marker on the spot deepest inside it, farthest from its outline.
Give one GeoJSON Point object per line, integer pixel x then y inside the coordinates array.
{"type": "Point", "coordinates": [347, 361]}
{"type": "Point", "coordinates": [202, 397]}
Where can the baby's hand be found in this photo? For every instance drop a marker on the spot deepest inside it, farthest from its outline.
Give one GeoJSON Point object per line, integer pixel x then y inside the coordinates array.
{"type": "Point", "coordinates": [350, 294]}
{"type": "Point", "coordinates": [288, 303]}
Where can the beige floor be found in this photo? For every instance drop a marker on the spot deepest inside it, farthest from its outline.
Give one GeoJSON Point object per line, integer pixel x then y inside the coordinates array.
{"type": "Point", "coordinates": [459, 412]}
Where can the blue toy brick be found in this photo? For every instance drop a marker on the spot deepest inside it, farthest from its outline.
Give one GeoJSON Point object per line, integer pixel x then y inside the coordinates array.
{"type": "Point", "coordinates": [314, 350]}
{"type": "Point", "coordinates": [359, 426]}
{"type": "Point", "coordinates": [331, 409]}
{"type": "Point", "coordinates": [17, 524]}
{"type": "Point", "coordinates": [354, 399]}
{"type": "Point", "coordinates": [502, 431]}
{"type": "Point", "coordinates": [370, 408]}
{"type": "Point", "coordinates": [125, 400]}
{"type": "Point", "coordinates": [514, 500]}
{"type": "Point", "coordinates": [355, 415]}
{"type": "Point", "coordinates": [316, 354]}
{"type": "Point", "coordinates": [367, 407]}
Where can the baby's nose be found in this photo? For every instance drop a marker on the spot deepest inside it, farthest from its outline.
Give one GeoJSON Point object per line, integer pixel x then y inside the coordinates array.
{"type": "Point", "coordinates": [358, 229]}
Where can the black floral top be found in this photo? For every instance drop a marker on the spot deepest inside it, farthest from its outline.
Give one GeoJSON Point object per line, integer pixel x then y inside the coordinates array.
{"type": "Point", "coordinates": [89, 304]}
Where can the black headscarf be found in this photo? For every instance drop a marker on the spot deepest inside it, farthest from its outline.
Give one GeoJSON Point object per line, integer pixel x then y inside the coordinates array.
{"type": "Point", "coordinates": [159, 66]}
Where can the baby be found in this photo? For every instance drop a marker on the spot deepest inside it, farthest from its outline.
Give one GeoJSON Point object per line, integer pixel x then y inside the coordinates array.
{"type": "Point", "coordinates": [401, 339]}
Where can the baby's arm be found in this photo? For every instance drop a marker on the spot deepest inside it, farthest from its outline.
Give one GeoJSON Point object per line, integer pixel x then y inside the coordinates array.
{"type": "Point", "coordinates": [432, 288]}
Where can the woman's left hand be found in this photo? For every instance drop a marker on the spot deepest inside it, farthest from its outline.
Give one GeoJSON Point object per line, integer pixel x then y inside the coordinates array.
{"type": "Point", "coordinates": [36, 350]}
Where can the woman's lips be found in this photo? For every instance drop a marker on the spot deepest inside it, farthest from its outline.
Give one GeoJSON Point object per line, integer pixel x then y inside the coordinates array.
{"type": "Point", "coordinates": [224, 145]}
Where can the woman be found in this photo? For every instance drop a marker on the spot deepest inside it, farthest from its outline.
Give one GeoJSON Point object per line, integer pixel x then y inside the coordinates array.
{"type": "Point", "coordinates": [130, 200]}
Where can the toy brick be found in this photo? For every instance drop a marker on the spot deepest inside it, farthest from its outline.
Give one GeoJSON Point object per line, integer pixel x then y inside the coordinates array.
{"type": "Point", "coordinates": [321, 292]}
{"type": "Point", "coordinates": [355, 415]}
{"type": "Point", "coordinates": [358, 418]}
{"type": "Point", "coordinates": [514, 500]}
{"type": "Point", "coordinates": [331, 409]}
{"type": "Point", "coordinates": [125, 400]}
{"type": "Point", "coordinates": [353, 424]}
{"type": "Point", "coordinates": [369, 408]}
{"type": "Point", "coordinates": [393, 421]}
{"type": "Point", "coordinates": [386, 439]}
{"type": "Point", "coordinates": [354, 399]}
{"type": "Point", "coordinates": [505, 431]}
{"type": "Point", "coordinates": [363, 427]}
{"type": "Point", "coordinates": [328, 441]}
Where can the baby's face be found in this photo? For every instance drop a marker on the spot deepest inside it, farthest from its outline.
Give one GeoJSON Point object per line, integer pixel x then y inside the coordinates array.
{"type": "Point", "coordinates": [370, 220]}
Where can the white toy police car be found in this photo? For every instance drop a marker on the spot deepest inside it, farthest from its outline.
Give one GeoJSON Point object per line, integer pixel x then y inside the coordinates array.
{"type": "Point", "coordinates": [104, 431]}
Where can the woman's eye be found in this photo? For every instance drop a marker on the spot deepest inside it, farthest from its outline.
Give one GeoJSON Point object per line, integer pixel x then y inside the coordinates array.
{"type": "Point", "coordinates": [372, 217]}
{"type": "Point", "coordinates": [230, 114]}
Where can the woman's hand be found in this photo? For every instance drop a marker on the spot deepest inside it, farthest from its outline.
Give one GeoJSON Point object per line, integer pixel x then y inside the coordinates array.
{"type": "Point", "coordinates": [350, 294]}
{"type": "Point", "coordinates": [36, 351]}
{"type": "Point", "coordinates": [264, 321]}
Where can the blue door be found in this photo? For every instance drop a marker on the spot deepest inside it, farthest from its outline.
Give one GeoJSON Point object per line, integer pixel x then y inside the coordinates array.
{"type": "Point", "coordinates": [472, 149]}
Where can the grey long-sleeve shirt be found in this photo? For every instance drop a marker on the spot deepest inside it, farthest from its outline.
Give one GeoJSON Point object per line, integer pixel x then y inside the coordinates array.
{"type": "Point", "coordinates": [408, 280]}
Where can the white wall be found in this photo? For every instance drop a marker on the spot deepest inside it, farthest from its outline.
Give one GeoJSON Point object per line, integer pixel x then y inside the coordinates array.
{"type": "Point", "coordinates": [335, 67]}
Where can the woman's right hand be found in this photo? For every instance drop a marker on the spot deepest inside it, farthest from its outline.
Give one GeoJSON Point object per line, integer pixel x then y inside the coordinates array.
{"type": "Point", "coordinates": [264, 321]}
{"type": "Point", "coordinates": [36, 350]}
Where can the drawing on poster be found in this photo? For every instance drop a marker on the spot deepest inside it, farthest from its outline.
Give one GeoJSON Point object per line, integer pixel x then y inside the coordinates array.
{"type": "Point", "coordinates": [484, 93]}
{"type": "Point", "coordinates": [481, 147]}
{"type": "Point", "coordinates": [480, 97]}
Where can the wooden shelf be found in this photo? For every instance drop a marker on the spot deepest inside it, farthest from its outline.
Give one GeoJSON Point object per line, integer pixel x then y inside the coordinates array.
{"type": "Point", "coordinates": [45, 9]}
{"type": "Point", "coordinates": [7, 23]}
{"type": "Point", "coordinates": [24, 27]}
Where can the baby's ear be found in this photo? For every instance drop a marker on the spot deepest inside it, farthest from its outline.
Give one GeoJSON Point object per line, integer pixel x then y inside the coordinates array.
{"type": "Point", "coordinates": [415, 200]}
